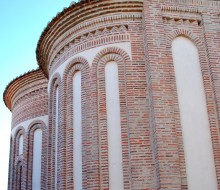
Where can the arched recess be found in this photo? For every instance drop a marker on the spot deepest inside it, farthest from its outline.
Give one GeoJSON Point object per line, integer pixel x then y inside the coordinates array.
{"type": "Point", "coordinates": [209, 93]}
{"type": "Point", "coordinates": [37, 168]}
{"type": "Point", "coordinates": [76, 66]}
{"type": "Point", "coordinates": [19, 183]}
{"type": "Point", "coordinates": [194, 117]}
{"type": "Point", "coordinates": [116, 55]}
{"type": "Point", "coordinates": [16, 159]}
{"type": "Point", "coordinates": [20, 132]}
{"type": "Point", "coordinates": [54, 133]}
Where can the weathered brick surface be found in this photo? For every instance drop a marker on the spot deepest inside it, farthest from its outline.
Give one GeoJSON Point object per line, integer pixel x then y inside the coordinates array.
{"type": "Point", "coordinates": [164, 21]}
{"type": "Point", "coordinates": [152, 142]}
{"type": "Point", "coordinates": [27, 98]}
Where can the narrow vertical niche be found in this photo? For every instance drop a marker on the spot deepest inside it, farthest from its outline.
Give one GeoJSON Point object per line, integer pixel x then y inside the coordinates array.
{"type": "Point", "coordinates": [37, 156]}
{"type": "Point", "coordinates": [114, 127]}
{"type": "Point", "coordinates": [56, 133]}
{"type": "Point", "coordinates": [19, 185]}
{"type": "Point", "coordinates": [77, 128]}
{"type": "Point", "coordinates": [21, 142]}
{"type": "Point", "coordinates": [200, 167]}
{"type": "Point", "coordinates": [18, 182]}
{"type": "Point", "coordinates": [20, 179]}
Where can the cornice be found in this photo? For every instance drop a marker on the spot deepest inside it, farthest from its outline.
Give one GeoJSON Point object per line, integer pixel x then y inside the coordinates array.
{"type": "Point", "coordinates": [74, 15]}
{"type": "Point", "coordinates": [22, 82]}
{"type": "Point", "coordinates": [194, 2]}
{"type": "Point", "coordinates": [89, 28]}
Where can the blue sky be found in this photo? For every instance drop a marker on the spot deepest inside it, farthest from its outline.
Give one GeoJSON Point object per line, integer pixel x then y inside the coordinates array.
{"type": "Point", "coordinates": [21, 24]}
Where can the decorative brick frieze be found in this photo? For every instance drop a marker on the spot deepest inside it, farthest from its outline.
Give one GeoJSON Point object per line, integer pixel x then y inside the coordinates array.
{"type": "Point", "coordinates": [27, 92]}
{"type": "Point", "coordinates": [23, 84]}
{"type": "Point", "coordinates": [85, 45]}
{"type": "Point", "coordinates": [90, 26]}
{"type": "Point", "coordinates": [72, 16]}
{"type": "Point", "coordinates": [35, 103]}
{"type": "Point", "coordinates": [90, 40]}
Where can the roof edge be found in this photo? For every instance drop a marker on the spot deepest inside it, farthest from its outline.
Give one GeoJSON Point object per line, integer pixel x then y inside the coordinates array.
{"type": "Point", "coordinates": [40, 55]}
{"type": "Point", "coordinates": [53, 21]}
{"type": "Point", "coordinates": [25, 78]}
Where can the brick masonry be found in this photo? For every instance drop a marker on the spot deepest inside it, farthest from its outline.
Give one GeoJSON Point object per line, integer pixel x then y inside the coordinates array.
{"type": "Point", "coordinates": [152, 143]}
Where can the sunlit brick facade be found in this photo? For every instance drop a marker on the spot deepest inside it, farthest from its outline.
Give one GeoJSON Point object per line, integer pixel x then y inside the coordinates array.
{"type": "Point", "coordinates": [127, 96]}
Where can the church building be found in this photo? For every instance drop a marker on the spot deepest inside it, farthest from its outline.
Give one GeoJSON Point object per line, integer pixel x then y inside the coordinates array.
{"type": "Point", "coordinates": [126, 97]}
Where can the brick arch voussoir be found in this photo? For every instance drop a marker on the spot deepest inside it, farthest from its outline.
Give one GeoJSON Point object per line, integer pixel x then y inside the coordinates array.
{"type": "Point", "coordinates": [110, 51]}
{"type": "Point", "coordinates": [111, 57]}
{"type": "Point", "coordinates": [184, 33]}
{"type": "Point", "coordinates": [37, 124]}
{"type": "Point", "coordinates": [19, 131]}
{"type": "Point", "coordinates": [79, 63]}
{"type": "Point", "coordinates": [56, 81]}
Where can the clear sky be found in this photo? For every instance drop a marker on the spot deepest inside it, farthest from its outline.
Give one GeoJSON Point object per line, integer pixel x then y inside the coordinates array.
{"type": "Point", "coordinates": [21, 24]}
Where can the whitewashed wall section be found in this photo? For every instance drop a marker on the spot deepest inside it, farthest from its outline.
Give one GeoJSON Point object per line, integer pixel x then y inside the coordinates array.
{"type": "Point", "coordinates": [77, 128]}
{"type": "Point", "coordinates": [198, 149]}
{"type": "Point", "coordinates": [116, 181]}
{"type": "Point", "coordinates": [37, 158]}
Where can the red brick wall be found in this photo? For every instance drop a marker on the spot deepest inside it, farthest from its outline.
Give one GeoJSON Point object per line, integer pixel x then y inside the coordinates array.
{"type": "Point", "coordinates": [163, 22]}
{"type": "Point", "coordinates": [28, 98]}
{"type": "Point", "coordinates": [152, 143]}
{"type": "Point", "coordinates": [30, 105]}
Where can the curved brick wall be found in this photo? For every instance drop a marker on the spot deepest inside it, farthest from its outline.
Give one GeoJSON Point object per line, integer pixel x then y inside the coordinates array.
{"type": "Point", "coordinates": [138, 36]}
{"type": "Point", "coordinates": [86, 21]}
{"type": "Point", "coordinates": [27, 97]}
{"type": "Point", "coordinates": [34, 104]}
{"type": "Point", "coordinates": [85, 41]}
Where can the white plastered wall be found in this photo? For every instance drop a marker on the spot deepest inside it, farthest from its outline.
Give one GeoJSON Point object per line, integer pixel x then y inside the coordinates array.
{"type": "Point", "coordinates": [37, 157]}
{"type": "Point", "coordinates": [77, 128]}
{"type": "Point", "coordinates": [200, 166]}
{"type": "Point", "coordinates": [21, 145]}
{"type": "Point", "coordinates": [116, 181]}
